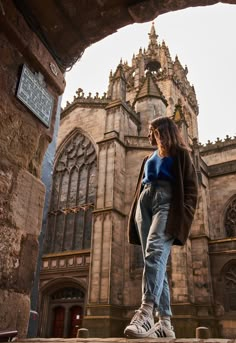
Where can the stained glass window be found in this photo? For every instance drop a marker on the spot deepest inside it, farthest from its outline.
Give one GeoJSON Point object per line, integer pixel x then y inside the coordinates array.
{"type": "Point", "coordinates": [230, 287]}
{"type": "Point", "coordinates": [230, 219]}
{"type": "Point", "coordinates": [73, 196]}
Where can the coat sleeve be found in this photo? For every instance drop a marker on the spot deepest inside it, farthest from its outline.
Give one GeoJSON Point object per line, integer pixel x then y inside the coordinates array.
{"type": "Point", "coordinates": [133, 236]}
{"type": "Point", "coordinates": [190, 184]}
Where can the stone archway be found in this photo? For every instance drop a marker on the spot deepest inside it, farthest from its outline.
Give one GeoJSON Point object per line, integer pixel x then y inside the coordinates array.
{"type": "Point", "coordinates": [61, 308]}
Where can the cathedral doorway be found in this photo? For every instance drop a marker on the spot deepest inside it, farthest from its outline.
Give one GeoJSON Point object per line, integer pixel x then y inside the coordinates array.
{"type": "Point", "coordinates": [66, 320]}
{"type": "Point", "coordinates": [63, 311]}
{"type": "Point", "coordinates": [66, 312]}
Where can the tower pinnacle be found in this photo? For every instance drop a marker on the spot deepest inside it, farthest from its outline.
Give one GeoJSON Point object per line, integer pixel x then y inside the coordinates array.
{"type": "Point", "coordinates": [152, 54]}
{"type": "Point", "coordinates": [152, 38]}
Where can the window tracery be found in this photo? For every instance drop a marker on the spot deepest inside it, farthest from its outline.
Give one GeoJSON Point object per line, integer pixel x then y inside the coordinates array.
{"type": "Point", "coordinates": [73, 196]}
{"type": "Point", "coordinates": [68, 293]}
{"type": "Point", "coordinates": [230, 219]}
{"type": "Point", "coordinates": [230, 287]}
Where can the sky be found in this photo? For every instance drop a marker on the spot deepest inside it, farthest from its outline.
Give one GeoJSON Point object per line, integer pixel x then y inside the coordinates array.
{"type": "Point", "coordinates": [202, 37]}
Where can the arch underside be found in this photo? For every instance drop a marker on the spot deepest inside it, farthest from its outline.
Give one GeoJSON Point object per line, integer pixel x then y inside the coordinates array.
{"type": "Point", "coordinates": [83, 23]}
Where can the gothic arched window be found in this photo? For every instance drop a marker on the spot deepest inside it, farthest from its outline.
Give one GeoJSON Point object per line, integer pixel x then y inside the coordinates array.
{"type": "Point", "coordinates": [73, 196]}
{"type": "Point", "coordinates": [230, 286]}
{"type": "Point", "coordinates": [230, 219]}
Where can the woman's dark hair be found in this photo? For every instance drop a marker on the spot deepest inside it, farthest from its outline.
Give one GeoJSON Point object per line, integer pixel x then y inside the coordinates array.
{"type": "Point", "coordinates": [168, 135]}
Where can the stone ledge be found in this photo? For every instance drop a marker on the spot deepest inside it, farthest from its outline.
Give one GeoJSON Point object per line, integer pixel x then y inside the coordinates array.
{"type": "Point", "coordinates": [126, 340]}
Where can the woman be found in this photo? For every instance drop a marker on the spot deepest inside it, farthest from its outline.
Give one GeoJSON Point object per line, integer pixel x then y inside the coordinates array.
{"type": "Point", "coordinates": [161, 215]}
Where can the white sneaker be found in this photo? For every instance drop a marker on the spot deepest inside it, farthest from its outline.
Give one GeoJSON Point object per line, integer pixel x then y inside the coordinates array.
{"type": "Point", "coordinates": [161, 330]}
{"type": "Point", "coordinates": [141, 325]}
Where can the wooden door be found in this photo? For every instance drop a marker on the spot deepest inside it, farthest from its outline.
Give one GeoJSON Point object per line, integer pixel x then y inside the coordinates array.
{"type": "Point", "coordinates": [75, 320]}
{"type": "Point", "coordinates": [58, 322]}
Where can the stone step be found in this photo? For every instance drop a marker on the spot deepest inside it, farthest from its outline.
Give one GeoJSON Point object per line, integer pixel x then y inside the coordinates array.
{"type": "Point", "coordinates": [125, 340]}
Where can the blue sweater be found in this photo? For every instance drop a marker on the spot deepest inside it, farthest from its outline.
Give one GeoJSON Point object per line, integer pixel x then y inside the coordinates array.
{"type": "Point", "coordinates": [158, 168]}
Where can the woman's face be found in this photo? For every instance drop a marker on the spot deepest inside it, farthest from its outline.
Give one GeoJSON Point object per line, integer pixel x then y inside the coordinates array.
{"type": "Point", "coordinates": [151, 136]}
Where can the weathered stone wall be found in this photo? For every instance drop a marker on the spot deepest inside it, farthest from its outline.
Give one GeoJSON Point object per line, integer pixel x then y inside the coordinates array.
{"type": "Point", "coordinates": [220, 157]}
{"type": "Point", "coordinates": [90, 120]}
{"type": "Point", "coordinates": [132, 289]}
{"type": "Point", "coordinates": [221, 151]}
{"type": "Point", "coordinates": [23, 141]}
{"type": "Point", "coordinates": [172, 94]}
{"type": "Point", "coordinates": [222, 257]}
{"type": "Point", "coordinates": [222, 189]}
{"type": "Point", "coordinates": [149, 109]}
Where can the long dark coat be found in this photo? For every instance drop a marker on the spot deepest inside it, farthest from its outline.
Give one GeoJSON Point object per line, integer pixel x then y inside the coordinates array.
{"type": "Point", "coordinates": [183, 202]}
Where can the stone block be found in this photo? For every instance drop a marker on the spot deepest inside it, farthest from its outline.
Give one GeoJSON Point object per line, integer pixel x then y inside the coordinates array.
{"type": "Point", "coordinates": [9, 256]}
{"type": "Point", "coordinates": [18, 256]}
{"type": "Point", "coordinates": [14, 317]}
{"type": "Point", "coordinates": [27, 202]}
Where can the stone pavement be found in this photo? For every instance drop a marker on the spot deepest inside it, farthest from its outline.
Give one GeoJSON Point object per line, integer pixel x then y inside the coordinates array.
{"type": "Point", "coordinates": [125, 340]}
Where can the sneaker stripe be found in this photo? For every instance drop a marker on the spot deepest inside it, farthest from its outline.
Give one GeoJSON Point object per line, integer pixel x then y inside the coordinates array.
{"type": "Point", "coordinates": [141, 325]}
{"type": "Point", "coordinates": [146, 326]}
{"type": "Point", "coordinates": [160, 333]}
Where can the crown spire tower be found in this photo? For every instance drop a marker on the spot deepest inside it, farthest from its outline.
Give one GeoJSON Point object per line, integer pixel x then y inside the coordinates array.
{"type": "Point", "coordinates": [152, 54]}
{"type": "Point", "coordinates": [152, 45]}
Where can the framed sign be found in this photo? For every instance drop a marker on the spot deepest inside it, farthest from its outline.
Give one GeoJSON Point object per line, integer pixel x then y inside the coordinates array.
{"type": "Point", "coordinates": [34, 95]}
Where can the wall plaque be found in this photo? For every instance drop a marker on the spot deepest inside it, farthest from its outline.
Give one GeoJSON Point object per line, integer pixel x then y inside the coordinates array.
{"type": "Point", "coordinates": [33, 93]}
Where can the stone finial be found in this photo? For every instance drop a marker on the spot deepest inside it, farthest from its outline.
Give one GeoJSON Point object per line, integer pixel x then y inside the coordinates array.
{"type": "Point", "coordinates": [227, 138]}
{"type": "Point", "coordinates": [80, 92]}
{"type": "Point", "coordinates": [195, 142]}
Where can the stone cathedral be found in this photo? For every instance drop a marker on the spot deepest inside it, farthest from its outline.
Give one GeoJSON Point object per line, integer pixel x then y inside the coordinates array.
{"type": "Point", "coordinates": [90, 275]}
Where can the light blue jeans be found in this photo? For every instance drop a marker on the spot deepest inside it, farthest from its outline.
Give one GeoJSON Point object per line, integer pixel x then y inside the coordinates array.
{"type": "Point", "coordinates": [151, 216]}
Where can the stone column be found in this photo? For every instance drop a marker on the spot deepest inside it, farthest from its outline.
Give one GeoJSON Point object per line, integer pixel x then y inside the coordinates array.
{"type": "Point", "coordinates": [191, 278]}
{"type": "Point", "coordinates": [200, 236]}
{"type": "Point", "coordinates": [105, 300]}
{"type": "Point", "coordinates": [23, 141]}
